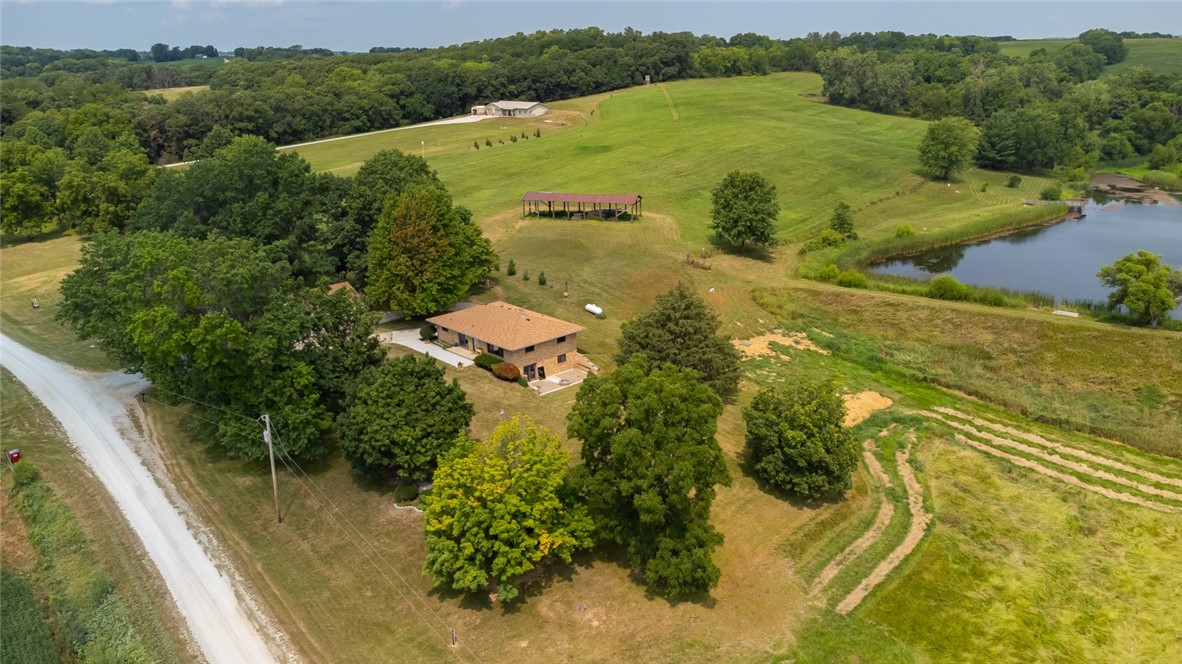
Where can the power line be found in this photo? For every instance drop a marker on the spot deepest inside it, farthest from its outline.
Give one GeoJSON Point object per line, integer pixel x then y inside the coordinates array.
{"type": "Point", "coordinates": [283, 452]}
{"type": "Point", "coordinates": [305, 480]}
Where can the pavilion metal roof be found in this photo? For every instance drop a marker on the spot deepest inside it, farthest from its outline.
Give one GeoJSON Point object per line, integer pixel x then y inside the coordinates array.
{"type": "Point", "coordinates": [556, 197]}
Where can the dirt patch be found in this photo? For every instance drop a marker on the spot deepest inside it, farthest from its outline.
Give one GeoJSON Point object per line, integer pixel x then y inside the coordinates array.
{"type": "Point", "coordinates": [862, 405]}
{"type": "Point", "coordinates": [919, 525]}
{"type": "Point", "coordinates": [886, 511]}
{"type": "Point", "coordinates": [15, 550]}
{"type": "Point", "coordinates": [761, 345]}
{"type": "Point", "coordinates": [1128, 189]}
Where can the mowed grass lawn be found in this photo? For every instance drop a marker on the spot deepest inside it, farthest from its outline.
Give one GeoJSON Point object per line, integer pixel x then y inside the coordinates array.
{"type": "Point", "coordinates": [816, 154]}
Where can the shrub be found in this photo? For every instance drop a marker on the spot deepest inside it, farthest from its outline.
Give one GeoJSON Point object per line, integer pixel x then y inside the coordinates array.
{"type": "Point", "coordinates": [852, 279]}
{"type": "Point", "coordinates": [601, 316]}
{"type": "Point", "coordinates": [537, 133]}
{"type": "Point", "coordinates": [522, 381]}
{"type": "Point", "coordinates": [541, 278]}
{"type": "Point", "coordinates": [829, 273]}
{"type": "Point", "coordinates": [404, 493]}
{"type": "Point", "coordinates": [1161, 157]}
{"type": "Point", "coordinates": [525, 276]}
{"type": "Point", "coordinates": [984, 186]}
{"type": "Point", "coordinates": [512, 269]}
{"type": "Point", "coordinates": [488, 142]}
{"type": "Point", "coordinates": [1013, 181]}
{"type": "Point", "coordinates": [904, 231]}
{"type": "Point", "coordinates": [1051, 193]}
{"type": "Point", "coordinates": [945, 287]}
{"type": "Point", "coordinates": [826, 238]}
{"type": "Point", "coordinates": [506, 371]}
{"type": "Point", "coordinates": [427, 332]}
{"type": "Point", "coordinates": [486, 361]}
{"type": "Point", "coordinates": [476, 144]}
{"type": "Point", "coordinates": [513, 139]}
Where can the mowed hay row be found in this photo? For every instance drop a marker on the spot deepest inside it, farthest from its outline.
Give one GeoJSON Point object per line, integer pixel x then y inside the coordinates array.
{"type": "Point", "coordinates": [1160, 470]}
{"type": "Point", "coordinates": [1024, 569]}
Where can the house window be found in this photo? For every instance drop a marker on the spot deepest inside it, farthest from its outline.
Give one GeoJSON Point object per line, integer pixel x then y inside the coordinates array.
{"type": "Point", "coordinates": [529, 349]}
{"type": "Point", "coordinates": [495, 350]}
{"type": "Point", "coordinates": [560, 339]}
{"type": "Point", "coordinates": [562, 359]}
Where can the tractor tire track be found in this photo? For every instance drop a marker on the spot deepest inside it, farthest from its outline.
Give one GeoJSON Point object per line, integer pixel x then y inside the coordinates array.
{"type": "Point", "coordinates": [1062, 462]}
{"type": "Point", "coordinates": [919, 526]}
{"type": "Point", "coordinates": [886, 511]}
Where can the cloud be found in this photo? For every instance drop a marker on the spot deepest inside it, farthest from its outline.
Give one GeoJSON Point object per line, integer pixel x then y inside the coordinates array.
{"type": "Point", "coordinates": [451, 5]}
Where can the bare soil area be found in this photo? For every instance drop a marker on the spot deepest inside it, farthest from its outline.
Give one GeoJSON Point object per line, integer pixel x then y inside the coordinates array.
{"type": "Point", "coordinates": [862, 405]}
{"type": "Point", "coordinates": [761, 345]}
{"type": "Point", "coordinates": [1126, 188]}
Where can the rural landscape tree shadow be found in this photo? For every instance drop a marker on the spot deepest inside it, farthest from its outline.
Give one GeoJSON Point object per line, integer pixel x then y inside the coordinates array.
{"type": "Point", "coordinates": [531, 584]}
{"type": "Point", "coordinates": [752, 251]}
{"type": "Point", "coordinates": [799, 502]}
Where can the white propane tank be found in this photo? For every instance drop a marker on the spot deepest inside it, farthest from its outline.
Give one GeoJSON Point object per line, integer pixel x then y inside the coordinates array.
{"type": "Point", "coordinates": [594, 309]}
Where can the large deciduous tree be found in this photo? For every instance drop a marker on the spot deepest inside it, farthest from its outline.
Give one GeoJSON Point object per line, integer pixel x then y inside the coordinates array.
{"type": "Point", "coordinates": [382, 177]}
{"type": "Point", "coordinates": [425, 254]}
{"type": "Point", "coordinates": [650, 468]}
{"type": "Point", "coordinates": [1107, 43]}
{"type": "Point", "coordinates": [218, 322]}
{"type": "Point", "coordinates": [948, 147]}
{"type": "Point", "coordinates": [400, 417]}
{"type": "Point", "coordinates": [1142, 285]}
{"type": "Point", "coordinates": [796, 440]}
{"type": "Point", "coordinates": [744, 209]}
{"type": "Point", "coordinates": [496, 511]}
{"type": "Point", "coordinates": [681, 329]}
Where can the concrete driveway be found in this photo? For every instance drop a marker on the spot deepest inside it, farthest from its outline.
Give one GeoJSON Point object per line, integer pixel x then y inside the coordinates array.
{"type": "Point", "coordinates": [410, 339]}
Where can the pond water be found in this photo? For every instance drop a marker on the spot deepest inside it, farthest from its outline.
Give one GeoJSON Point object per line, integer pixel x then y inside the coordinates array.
{"type": "Point", "coordinates": [1061, 259]}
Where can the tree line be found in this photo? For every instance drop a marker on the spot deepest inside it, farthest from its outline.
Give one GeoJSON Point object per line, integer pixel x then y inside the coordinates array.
{"type": "Point", "coordinates": [1049, 110]}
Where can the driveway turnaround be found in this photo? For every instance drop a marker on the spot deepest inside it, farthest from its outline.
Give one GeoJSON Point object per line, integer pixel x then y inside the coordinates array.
{"type": "Point", "coordinates": [411, 339]}
{"type": "Point", "coordinates": [97, 424]}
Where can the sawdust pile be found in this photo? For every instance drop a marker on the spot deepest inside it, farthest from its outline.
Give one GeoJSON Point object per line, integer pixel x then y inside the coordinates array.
{"type": "Point", "coordinates": [861, 405]}
{"type": "Point", "coordinates": [760, 346]}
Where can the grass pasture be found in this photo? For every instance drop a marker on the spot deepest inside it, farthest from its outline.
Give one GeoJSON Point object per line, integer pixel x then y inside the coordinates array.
{"type": "Point", "coordinates": [1162, 55]}
{"type": "Point", "coordinates": [172, 94]}
{"type": "Point", "coordinates": [816, 155]}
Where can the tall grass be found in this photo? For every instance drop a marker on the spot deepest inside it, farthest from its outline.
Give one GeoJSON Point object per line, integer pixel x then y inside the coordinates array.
{"type": "Point", "coordinates": [87, 617]}
{"type": "Point", "coordinates": [856, 255]}
{"type": "Point", "coordinates": [24, 629]}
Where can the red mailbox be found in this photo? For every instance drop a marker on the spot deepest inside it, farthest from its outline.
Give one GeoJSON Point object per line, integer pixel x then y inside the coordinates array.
{"type": "Point", "coordinates": [14, 456]}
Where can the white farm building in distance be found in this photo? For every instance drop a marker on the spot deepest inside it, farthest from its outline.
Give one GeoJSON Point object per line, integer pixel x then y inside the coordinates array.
{"type": "Point", "coordinates": [512, 109]}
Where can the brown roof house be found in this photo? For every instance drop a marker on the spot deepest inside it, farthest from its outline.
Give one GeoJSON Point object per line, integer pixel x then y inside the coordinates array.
{"type": "Point", "coordinates": [541, 346]}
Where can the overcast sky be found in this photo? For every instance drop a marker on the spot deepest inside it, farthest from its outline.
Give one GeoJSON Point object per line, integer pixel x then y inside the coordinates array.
{"type": "Point", "coordinates": [356, 26]}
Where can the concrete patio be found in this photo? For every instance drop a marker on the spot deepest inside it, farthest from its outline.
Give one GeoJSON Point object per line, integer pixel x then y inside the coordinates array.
{"type": "Point", "coordinates": [559, 381]}
{"type": "Point", "coordinates": [410, 339]}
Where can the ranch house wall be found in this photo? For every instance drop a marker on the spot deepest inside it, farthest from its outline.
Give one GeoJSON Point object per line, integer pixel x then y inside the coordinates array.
{"type": "Point", "coordinates": [544, 354]}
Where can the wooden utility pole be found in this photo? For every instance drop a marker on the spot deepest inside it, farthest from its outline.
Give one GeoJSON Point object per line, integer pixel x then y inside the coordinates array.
{"type": "Point", "coordinates": [271, 450]}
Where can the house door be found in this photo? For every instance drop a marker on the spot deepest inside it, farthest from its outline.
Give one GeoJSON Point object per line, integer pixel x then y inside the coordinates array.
{"type": "Point", "coordinates": [463, 341]}
{"type": "Point", "coordinates": [541, 373]}
{"type": "Point", "coordinates": [531, 372]}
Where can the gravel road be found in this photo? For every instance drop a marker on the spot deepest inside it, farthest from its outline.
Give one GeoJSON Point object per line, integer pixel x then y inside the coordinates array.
{"type": "Point", "coordinates": [96, 421]}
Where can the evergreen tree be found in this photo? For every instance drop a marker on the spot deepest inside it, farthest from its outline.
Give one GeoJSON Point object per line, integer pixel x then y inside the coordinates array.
{"type": "Point", "coordinates": [682, 330]}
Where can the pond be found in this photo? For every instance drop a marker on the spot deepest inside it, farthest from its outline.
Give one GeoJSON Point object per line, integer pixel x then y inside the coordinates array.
{"type": "Point", "coordinates": [1061, 259]}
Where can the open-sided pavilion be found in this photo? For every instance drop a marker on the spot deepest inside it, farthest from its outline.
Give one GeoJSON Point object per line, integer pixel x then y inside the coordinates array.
{"type": "Point", "coordinates": [580, 206]}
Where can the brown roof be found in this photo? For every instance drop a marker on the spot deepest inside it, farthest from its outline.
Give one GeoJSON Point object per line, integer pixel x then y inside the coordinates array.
{"type": "Point", "coordinates": [342, 284]}
{"type": "Point", "coordinates": [502, 324]}
{"type": "Point", "coordinates": [555, 197]}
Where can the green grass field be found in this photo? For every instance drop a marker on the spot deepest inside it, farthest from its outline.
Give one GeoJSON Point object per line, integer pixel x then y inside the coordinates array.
{"type": "Point", "coordinates": [1038, 558]}
{"type": "Point", "coordinates": [1161, 55]}
{"type": "Point", "coordinates": [172, 94]}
